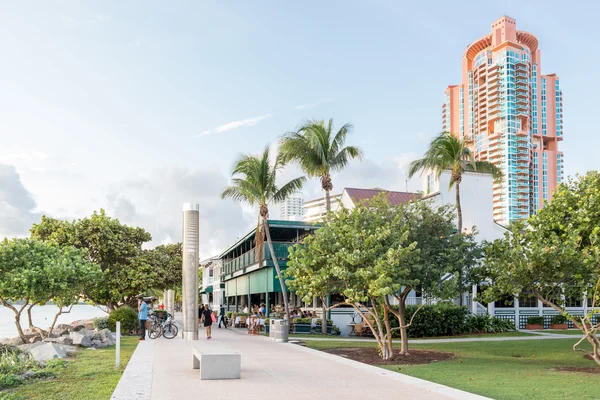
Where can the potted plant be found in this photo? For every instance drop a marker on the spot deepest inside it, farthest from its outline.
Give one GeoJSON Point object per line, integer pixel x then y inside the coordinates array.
{"type": "Point", "coordinates": [559, 322]}
{"type": "Point", "coordinates": [335, 331]}
{"type": "Point", "coordinates": [301, 325]}
{"type": "Point", "coordinates": [329, 326]}
{"type": "Point", "coordinates": [535, 323]}
{"type": "Point", "coordinates": [267, 324]}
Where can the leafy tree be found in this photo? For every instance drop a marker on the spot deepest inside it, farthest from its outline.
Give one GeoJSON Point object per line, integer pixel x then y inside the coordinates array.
{"type": "Point", "coordinates": [319, 152]}
{"type": "Point", "coordinates": [166, 261]}
{"type": "Point", "coordinates": [115, 247]}
{"type": "Point", "coordinates": [445, 152]}
{"type": "Point", "coordinates": [556, 256]}
{"type": "Point", "coordinates": [376, 254]}
{"type": "Point", "coordinates": [36, 272]}
{"type": "Point", "coordinates": [254, 184]}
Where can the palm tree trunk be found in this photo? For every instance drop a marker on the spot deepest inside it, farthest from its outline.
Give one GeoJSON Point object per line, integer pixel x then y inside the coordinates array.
{"type": "Point", "coordinates": [286, 305]}
{"type": "Point", "coordinates": [459, 226]}
{"type": "Point", "coordinates": [324, 309]}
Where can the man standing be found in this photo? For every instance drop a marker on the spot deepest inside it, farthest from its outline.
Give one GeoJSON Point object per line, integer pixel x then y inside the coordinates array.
{"type": "Point", "coordinates": [142, 316]}
{"type": "Point", "coordinates": [222, 317]}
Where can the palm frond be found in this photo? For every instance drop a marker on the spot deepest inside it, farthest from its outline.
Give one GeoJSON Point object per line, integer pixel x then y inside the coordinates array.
{"type": "Point", "coordinates": [289, 189]}
{"type": "Point", "coordinates": [488, 167]}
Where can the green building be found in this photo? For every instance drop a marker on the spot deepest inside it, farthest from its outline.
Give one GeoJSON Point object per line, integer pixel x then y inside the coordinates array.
{"type": "Point", "coordinates": [249, 282]}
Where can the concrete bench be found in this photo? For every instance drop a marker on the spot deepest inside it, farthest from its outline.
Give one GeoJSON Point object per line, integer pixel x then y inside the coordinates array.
{"type": "Point", "coordinates": [217, 363]}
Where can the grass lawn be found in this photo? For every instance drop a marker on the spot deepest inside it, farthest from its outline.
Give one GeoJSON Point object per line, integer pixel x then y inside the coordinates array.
{"type": "Point", "coordinates": [563, 332]}
{"type": "Point", "coordinates": [91, 374]}
{"type": "Point", "coordinates": [512, 370]}
{"type": "Point", "coordinates": [487, 335]}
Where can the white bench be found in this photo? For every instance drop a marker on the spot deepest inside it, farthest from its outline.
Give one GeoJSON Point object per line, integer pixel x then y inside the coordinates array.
{"type": "Point", "coordinates": [217, 363]}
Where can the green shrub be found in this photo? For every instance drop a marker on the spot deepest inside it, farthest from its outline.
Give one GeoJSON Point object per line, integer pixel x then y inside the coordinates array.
{"type": "Point", "coordinates": [558, 319]}
{"type": "Point", "coordinates": [535, 320]}
{"type": "Point", "coordinates": [499, 325]}
{"type": "Point", "coordinates": [479, 323]}
{"type": "Point", "coordinates": [229, 314]}
{"type": "Point", "coordinates": [10, 380]}
{"type": "Point", "coordinates": [305, 321]}
{"type": "Point", "coordinates": [101, 323]}
{"type": "Point", "coordinates": [319, 322]}
{"type": "Point", "coordinates": [128, 318]}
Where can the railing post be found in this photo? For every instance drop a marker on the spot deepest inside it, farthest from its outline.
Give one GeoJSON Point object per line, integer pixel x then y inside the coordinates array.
{"type": "Point", "coordinates": [118, 349]}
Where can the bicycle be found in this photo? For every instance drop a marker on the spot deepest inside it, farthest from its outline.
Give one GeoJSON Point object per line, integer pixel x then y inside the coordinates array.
{"type": "Point", "coordinates": [168, 329]}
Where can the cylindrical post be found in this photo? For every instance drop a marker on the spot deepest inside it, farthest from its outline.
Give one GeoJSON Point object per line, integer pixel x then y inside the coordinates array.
{"type": "Point", "coordinates": [171, 297]}
{"type": "Point", "coordinates": [118, 349]}
{"type": "Point", "coordinates": [191, 221]}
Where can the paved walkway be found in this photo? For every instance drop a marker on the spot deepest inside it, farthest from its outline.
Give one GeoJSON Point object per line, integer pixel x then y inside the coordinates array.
{"type": "Point", "coordinates": [282, 371]}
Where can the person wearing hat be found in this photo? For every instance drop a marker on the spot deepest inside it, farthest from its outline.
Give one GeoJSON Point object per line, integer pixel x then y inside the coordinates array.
{"type": "Point", "coordinates": [142, 316]}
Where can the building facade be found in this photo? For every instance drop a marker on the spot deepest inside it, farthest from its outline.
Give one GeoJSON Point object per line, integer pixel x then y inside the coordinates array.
{"type": "Point", "coordinates": [292, 209]}
{"type": "Point", "coordinates": [316, 210]}
{"type": "Point", "coordinates": [510, 114]}
{"type": "Point", "coordinates": [212, 290]}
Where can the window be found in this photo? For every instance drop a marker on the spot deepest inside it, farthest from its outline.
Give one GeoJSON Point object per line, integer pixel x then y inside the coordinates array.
{"type": "Point", "coordinates": [528, 301]}
{"type": "Point", "coordinates": [429, 183]}
{"type": "Point", "coordinates": [505, 302]}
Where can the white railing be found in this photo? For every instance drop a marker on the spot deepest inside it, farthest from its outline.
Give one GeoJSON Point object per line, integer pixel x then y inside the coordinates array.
{"type": "Point", "coordinates": [411, 301]}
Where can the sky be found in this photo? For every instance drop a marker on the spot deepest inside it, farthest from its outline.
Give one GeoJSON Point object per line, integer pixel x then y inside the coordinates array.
{"type": "Point", "coordinates": [138, 107]}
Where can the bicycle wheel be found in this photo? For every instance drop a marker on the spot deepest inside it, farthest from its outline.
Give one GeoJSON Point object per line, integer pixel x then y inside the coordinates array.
{"type": "Point", "coordinates": [154, 331]}
{"type": "Point", "coordinates": [169, 331]}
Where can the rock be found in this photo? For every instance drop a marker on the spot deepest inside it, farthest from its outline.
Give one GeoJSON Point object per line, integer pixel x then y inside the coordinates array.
{"type": "Point", "coordinates": [26, 347]}
{"type": "Point", "coordinates": [35, 339]}
{"type": "Point", "coordinates": [64, 340]}
{"type": "Point", "coordinates": [47, 351]}
{"type": "Point", "coordinates": [28, 375]}
{"type": "Point", "coordinates": [16, 341]}
{"type": "Point", "coordinates": [77, 328]}
{"type": "Point", "coordinates": [80, 339]}
{"type": "Point", "coordinates": [63, 327]}
{"type": "Point", "coordinates": [89, 324]}
{"type": "Point", "coordinates": [97, 343]}
{"type": "Point", "coordinates": [70, 350]}
{"type": "Point", "coordinates": [58, 332]}
{"type": "Point", "coordinates": [51, 340]}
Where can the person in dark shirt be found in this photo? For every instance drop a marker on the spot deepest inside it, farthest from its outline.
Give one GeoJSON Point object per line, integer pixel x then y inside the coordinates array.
{"type": "Point", "coordinates": [222, 319]}
{"type": "Point", "coordinates": [206, 320]}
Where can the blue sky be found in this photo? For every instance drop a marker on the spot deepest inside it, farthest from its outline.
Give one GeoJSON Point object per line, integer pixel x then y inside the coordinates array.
{"type": "Point", "coordinates": [137, 106]}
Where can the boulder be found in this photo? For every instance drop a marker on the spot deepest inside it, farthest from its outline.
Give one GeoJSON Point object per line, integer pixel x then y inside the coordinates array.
{"type": "Point", "coordinates": [14, 341]}
{"type": "Point", "coordinates": [58, 332]}
{"type": "Point", "coordinates": [63, 327]}
{"type": "Point", "coordinates": [70, 350]}
{"type": "Point", "coordinates": [26, 347]}
{"type": "Point", "coordinates": [89, 324]}
{"type": "Point", "coordinates": [28, 375]}
{"type": "Point", "coordinates": [64, 340]}
{"type": "Point", "coordinates": [77, 328]}
{"type": "Point", "coordinates": [51, 340]}
{"type": "Point", "coordinates": [47, 351]}
{"type": "Point", "coordinates": [80, 339]}
{"type": "Point", "coordinates": [97, 343]}
{"type": "Point", "coordinates": [35, 339]}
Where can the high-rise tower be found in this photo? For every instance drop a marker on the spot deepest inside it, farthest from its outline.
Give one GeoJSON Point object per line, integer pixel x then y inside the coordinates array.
{"type": "Point", "coordinates": [511, 115]}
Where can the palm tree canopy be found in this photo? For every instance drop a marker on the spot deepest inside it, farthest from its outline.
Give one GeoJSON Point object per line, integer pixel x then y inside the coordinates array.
{"type": "Point", "coordinates": [254, 181]}
{"type": "Point", "coordinates": [447, 151]}
{"type": "Point", "coordinates": [318, 149]}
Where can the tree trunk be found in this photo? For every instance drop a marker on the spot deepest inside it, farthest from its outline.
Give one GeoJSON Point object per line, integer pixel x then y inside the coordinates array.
{"type": "Point", "coordinates": [30, 320]}
{"type": "Point", "coordinates": [324, 310]}
{"type": "Point", "coordinates": [17, 316]}
{"type": "Point", "coordinates": [403, 329]}
{"type": "Point", "coordinates": [458, 208]}
{"type": "Point", "coordinates": [324, 317]}
{"type": "Point", "coordinates": [388, 328]}
{"type": "Point", "coordinates": [54, 322]}
{"type": "Point", "coordinates": [286, 305]}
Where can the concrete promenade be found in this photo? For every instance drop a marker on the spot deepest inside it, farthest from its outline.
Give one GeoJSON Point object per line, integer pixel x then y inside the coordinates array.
{"type": "Point", "coordinates": [269, 371]}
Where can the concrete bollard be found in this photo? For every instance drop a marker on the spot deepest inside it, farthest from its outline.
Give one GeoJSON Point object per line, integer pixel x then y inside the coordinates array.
{"type": "Point", "coordinates": [118, 349]}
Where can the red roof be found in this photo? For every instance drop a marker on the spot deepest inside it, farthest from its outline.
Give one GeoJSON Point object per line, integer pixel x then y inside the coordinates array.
{"type": "Point", "coordinates": [395, 198]}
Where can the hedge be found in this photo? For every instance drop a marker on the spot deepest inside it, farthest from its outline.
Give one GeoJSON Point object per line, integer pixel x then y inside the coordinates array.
{"type": "Point", "coordinates": [128, 317]}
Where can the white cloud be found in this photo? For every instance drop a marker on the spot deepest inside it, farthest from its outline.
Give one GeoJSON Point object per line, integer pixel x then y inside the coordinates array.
{"type": "Point", "coordinates": [236, 124]}
{"type": "Point", "coordinates": [313, 105]}
{"type": "Point", "coordinates": [34, 156]}
{"type": "Point", "coordinates": [17, 204]}
{"type": "Point", "coordinates": [67, 19]}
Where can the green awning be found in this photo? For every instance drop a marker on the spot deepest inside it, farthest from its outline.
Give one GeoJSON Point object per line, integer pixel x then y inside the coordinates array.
{"type": "Point", "coordinates": [208, 289]}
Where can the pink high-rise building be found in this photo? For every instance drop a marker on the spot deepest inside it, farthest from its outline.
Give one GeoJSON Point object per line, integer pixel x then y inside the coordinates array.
{"type": "Point", "coordinates": [510, 114]}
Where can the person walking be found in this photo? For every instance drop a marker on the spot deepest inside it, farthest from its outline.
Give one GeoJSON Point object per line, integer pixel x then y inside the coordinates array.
{"type": "Point", "coordinates": [142, 316]}
{"type": "Point", "coordinates": [207, 320]}
{"type": "Point", "coordinates": [222, 317]}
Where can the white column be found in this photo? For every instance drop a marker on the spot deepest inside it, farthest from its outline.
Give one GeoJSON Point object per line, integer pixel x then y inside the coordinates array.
{"type": "Point", "coordinates": [191, 222]}
{"type": "Point", "coordinates": [171, 302]}
{"type": "Point", "coordinates": [473, 303]}
{"type": "Point", "coordinates": [517, 312]}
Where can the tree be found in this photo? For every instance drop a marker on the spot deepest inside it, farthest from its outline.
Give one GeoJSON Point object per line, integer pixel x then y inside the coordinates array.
{"type": "Point", "coordinates": [254, 184]}
{"type": "Point", "coordinates": [445, 152]}
{"type": "Point", "coordinates": [166, 260]}
{"type": "Point", "coordinates": [556, 256]}
{"type": "Point", "coordinates": [319, 152]}
{"type": "Point", "coordinates": [115, 247]}
{"type": "Point", "coordinates": [376, 254]}
{"type": "Point", "coordinates": [36, 272]}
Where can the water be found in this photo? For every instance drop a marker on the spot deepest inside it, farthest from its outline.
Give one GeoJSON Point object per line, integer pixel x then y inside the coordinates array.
{"type": "Point", "coordinates": [43, 316]}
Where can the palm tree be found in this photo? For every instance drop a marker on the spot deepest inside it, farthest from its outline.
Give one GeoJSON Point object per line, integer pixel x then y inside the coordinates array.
{"type": "Point", "coordinates": [319, 152]}
{"type": "Point", "coordinates": [254, 184]}
{"type": "Point", "coordinates": [449, 152]}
